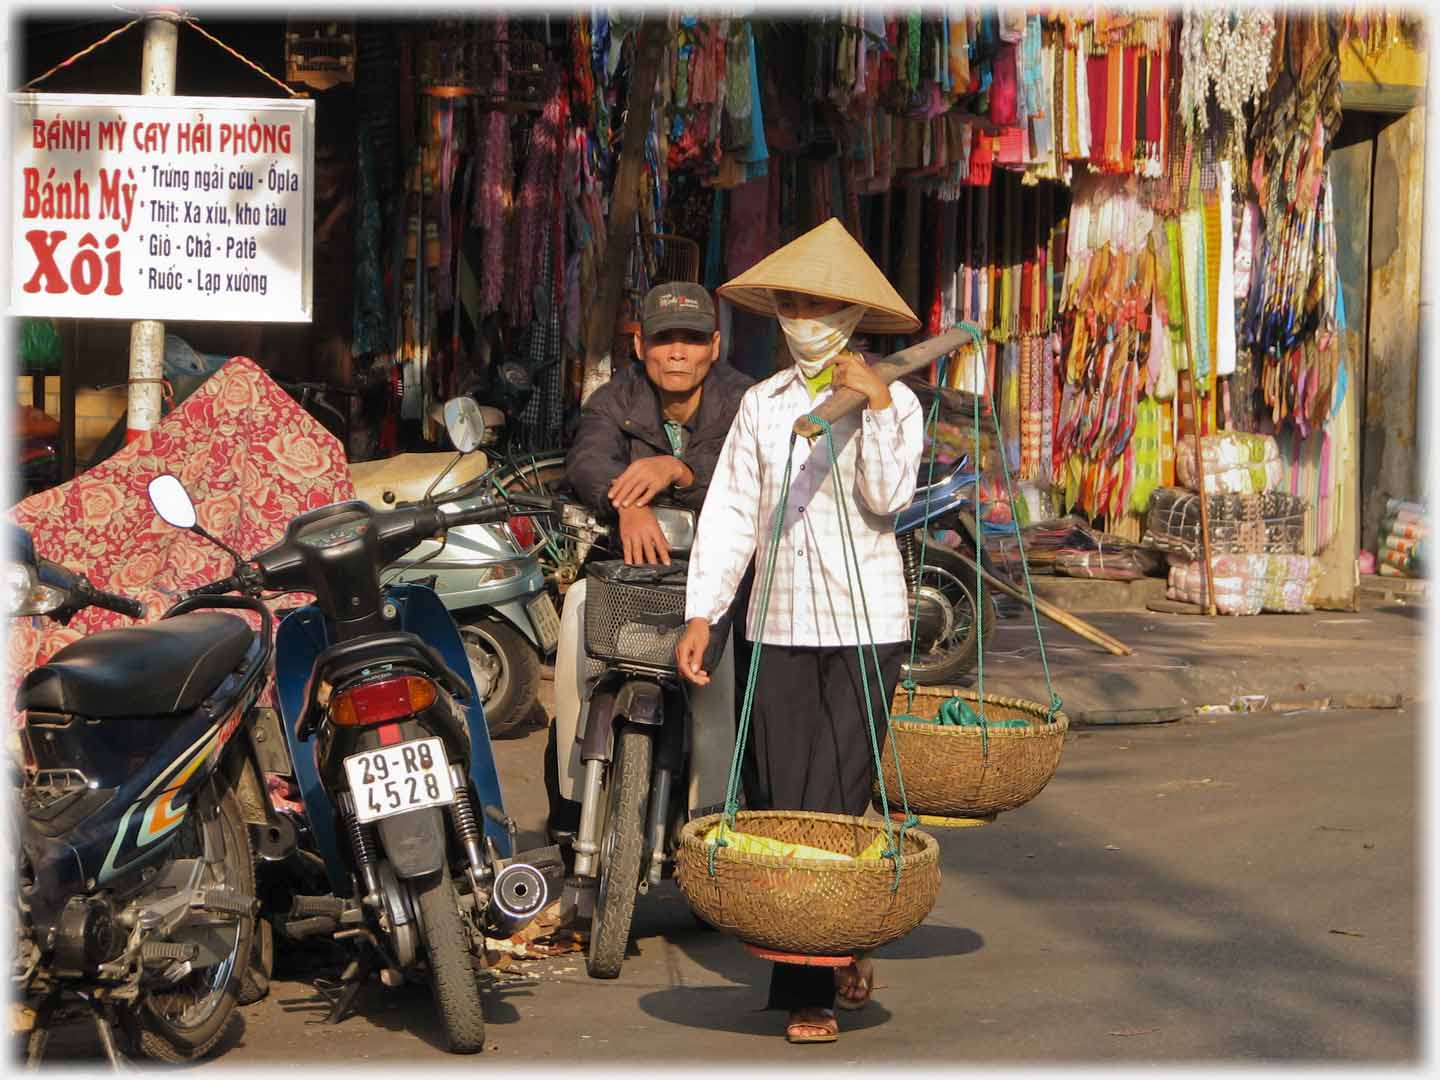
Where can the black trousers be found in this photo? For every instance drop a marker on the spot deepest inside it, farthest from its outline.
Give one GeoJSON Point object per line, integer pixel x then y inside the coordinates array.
{"type": "Point", "coordinates": [808, 750]}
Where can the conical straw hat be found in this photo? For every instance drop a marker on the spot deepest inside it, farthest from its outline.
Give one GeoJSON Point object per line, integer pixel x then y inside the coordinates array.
{"type": "Point", "coordinates": [825, 262]}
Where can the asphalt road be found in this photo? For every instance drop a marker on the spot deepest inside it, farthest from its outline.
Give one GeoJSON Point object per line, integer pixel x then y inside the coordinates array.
{"type": "Point", "coordinates": [1233, 890]}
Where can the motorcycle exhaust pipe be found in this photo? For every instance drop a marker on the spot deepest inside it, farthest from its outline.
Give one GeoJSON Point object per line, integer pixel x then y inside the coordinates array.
{"type": "Point", "coordinates": [587, 839]}
{"type": "Point", "coordinates": [518, 895]}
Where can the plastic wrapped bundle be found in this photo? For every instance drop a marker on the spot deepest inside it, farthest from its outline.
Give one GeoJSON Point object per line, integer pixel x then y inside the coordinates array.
{"type": "Point", "coordinates": [1236, 463]}
{"type": "Point", "coordinates": [1403, 534]}
{"type": "Point", "coordinates": [1248, 584]}
{"type": "Point", "coordinates": [1125, 563]}
{"type": "Point", "coordinates": [1239, 584]}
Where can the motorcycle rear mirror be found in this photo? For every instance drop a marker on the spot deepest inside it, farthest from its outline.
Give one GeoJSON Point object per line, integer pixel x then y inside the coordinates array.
{"type": "Point", "coordinates": [464, 424]}
{"type": "Point", "coordinates": [171, 501]}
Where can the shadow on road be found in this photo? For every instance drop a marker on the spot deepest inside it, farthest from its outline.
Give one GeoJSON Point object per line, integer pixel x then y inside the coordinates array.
{"type": "Point", "coordinates": [1195, 947]}
{"type": "Point", "coordinates": [737, 1011]}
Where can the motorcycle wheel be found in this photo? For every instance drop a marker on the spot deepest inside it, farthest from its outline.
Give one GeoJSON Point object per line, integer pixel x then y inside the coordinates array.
{"type": "Point", "coordinates": [186, 1021]}
{"type": "Point", "coordinates": [447, 951]}
{"type": "Point", "coordinates": [948, 585]}
{"type": "Point", "coordinates": [627, 791]}
{"type": "Point", "coordinates": [541, 474]}
{"type": "Point", "coordinates": [256, 982]}
{"type": "Point", "coordinates": [502, 660]}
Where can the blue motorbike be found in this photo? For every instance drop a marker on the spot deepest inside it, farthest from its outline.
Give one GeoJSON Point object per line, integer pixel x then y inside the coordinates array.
{"type": "Point", "coordinates": [138, 818]}
{"type": "Point", "coordinates": [403, 819]}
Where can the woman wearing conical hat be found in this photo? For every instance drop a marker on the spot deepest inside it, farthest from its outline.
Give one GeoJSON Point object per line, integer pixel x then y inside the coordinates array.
{"type": "Point", "coordinates": [808, 747]}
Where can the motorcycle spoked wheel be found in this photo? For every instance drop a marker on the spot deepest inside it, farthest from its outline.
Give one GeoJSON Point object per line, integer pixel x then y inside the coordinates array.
{"type": "Point", "coordinates": [948, 598]}
{"type": "Point", "coordinates": [627, 794]}
{"type": "Point", "coordinates": [543, 476]}
{"type": "Point", "coordinates": [184, 1022]}
{"type": "Point", "coordinates": [447, 954]}
{"type": "Point", "coordinates": [504, 662]}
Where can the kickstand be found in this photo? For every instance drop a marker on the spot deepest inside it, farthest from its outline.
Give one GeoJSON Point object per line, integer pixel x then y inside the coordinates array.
{"type": "Point", "coordinates": [106, 1031]}
{"type": "Point", "coordinates": [351, 979]}
{"type": "Point", "coordinates": [39, 1034]}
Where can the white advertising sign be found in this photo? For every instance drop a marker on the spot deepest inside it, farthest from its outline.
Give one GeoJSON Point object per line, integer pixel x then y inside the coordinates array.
{"type": "Point", "coordinates": [168, 208]}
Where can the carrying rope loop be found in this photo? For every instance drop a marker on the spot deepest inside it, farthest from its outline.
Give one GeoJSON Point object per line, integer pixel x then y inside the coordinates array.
{"type": "Point", "coordinates": [855, 585]}
{"type": "Point", "coordinates": [850, 554]}
{"type": "Point", "coordinates": [1024, 564]}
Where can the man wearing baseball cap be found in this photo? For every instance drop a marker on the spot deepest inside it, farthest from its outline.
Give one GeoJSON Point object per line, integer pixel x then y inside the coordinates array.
{"type": "Point", "coordinates": [656, 428]}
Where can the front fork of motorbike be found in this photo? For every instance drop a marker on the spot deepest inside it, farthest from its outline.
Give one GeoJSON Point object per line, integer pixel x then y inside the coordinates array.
{"type": "Point", "coordinates": [587, 838]}
{"type": "Point", "coordinates": [657, 825]}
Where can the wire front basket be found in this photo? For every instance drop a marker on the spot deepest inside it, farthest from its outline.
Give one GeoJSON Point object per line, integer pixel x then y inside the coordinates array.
{"type": "Point", "coordinates": [634, 615]}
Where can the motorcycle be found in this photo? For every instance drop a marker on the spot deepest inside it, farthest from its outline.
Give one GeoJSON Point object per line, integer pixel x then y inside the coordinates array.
{"type": "Point", "coordinates": [487, 575]}
{"type": "Point", "coordinates": [942, 590]}
{"type": "Point", "coordinates": [645, 751]}
{"type": "Point", "coordinates": [140, 809]}
{"type": "Point", "coordinates": [387, 739]}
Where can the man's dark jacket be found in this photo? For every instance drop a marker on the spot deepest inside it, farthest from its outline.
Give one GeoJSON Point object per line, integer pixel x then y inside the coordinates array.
{"type": "Point", "coordinates": [622, 423]}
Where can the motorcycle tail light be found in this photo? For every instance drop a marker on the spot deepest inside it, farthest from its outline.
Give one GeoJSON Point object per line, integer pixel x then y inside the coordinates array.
{"type": "Point", "coordinates": [384, 699]}
{"type": "Point", "coordinates": [524, 529]}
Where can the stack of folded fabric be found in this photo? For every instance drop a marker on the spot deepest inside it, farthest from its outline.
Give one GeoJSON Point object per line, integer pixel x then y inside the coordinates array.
{"type": "Point", "coordinates": [1236, 463]}
{"type": "Point", "coordinates": [1247, 584]}
{"type": "Point", "coordinates": [1403, 541]}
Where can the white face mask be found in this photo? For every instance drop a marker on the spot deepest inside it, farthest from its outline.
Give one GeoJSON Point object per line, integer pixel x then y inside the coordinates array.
{"type": "Point", "coordinates": [815, 342]}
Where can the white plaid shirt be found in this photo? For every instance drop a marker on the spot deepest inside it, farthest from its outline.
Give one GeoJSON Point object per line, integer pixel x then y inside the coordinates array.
{"type": "Point", "coordinates": [878, 453]}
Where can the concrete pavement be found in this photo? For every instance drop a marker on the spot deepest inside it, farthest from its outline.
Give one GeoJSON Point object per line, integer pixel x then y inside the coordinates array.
{"type": "Point", "coordinates": [1364, 659]}
{"type": "Point", "coordinates": [1237, 888]}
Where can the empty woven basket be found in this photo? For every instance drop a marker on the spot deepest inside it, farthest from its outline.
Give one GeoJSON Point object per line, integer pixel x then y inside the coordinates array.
{"type": "Point", "coordinates": [809, 906]}
{"type": "Point", "coordinates": [959, 771]}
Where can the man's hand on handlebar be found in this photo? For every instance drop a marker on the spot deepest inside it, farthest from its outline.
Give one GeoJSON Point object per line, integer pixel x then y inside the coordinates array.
{"type": "Point", "coordinates": [690, 651]}
{"type": "Point", "coordinates": [641, 537]}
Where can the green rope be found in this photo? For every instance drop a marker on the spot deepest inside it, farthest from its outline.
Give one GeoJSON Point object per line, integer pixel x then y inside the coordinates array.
{"type": "Point", "coordinates": [933, 423]}
{"type": "Point", "coordinates": [1024, 563]}
{"type": "Point", "coordinates": [742, 732]}
{"type": "Point", "coordinates": [979, 577]}
{"type": "Point", "coordinates": [850, 551]}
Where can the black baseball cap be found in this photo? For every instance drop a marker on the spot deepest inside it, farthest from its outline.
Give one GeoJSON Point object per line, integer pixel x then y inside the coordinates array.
{"type": "Point", "coordinates": [677, 305]}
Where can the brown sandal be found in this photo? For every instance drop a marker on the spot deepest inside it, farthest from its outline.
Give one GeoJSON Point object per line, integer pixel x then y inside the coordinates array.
{"type": "Point", "coordinates": [812, 1026]}
{"type": "Point", "coordinates": [849, 978]}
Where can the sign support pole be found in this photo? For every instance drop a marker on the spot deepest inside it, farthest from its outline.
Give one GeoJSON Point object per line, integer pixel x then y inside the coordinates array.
{"type": "Point", "coordinates": [147, 337]}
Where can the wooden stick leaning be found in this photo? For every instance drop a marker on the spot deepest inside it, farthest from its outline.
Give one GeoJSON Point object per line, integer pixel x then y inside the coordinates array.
{"type": "Point", "coordinates": [907, 362]}
{"type": "Point", "coordinates": [1073, 623]}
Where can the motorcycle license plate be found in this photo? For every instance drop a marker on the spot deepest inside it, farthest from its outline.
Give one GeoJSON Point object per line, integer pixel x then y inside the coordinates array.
{"type": "Point", "coordinates": [545, 621]}
{"type": "Point", "coordinates": [392, 780]}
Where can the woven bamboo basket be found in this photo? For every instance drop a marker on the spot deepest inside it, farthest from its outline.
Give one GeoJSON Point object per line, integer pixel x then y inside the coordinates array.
{"type": "Point", "coordinates": [809, 906]}
{"type": "Point", "coordinates": [954, 771]}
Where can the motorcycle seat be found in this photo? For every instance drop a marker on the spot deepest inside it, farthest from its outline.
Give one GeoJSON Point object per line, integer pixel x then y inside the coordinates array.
{"type": "Point", "coordinates": [406, 476]}
{"type": "Point", "coordinates": [165, 667]}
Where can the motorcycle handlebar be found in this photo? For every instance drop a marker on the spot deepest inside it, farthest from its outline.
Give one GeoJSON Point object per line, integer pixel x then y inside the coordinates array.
{"type": "Point", "coordinates": [480, 515]}
{"type": "Point", "coordinates": [215, 588]}
{"type": "Point", "coordinates": [122, 605]}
